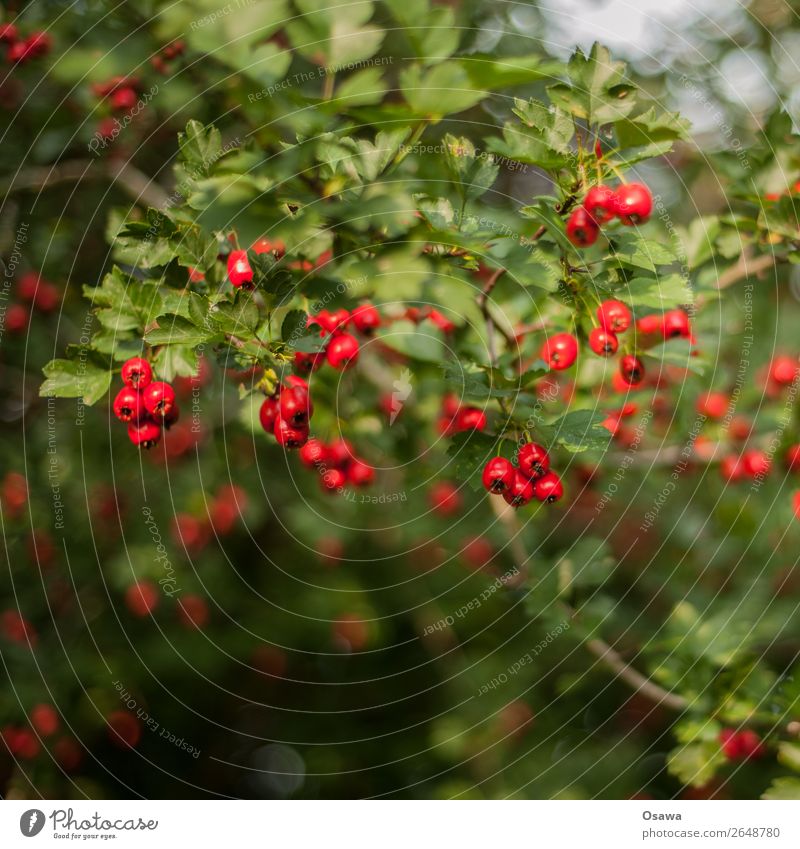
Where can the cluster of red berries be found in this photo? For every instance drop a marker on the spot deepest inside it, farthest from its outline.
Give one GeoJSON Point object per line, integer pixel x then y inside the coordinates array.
{"type": "Point", "coordinates": [24, 741]}
{"type": "Point", "coordinates": [286, 415]}
{"type": "Point", "coordinates": [144, 404]}
{"type": "Point", "coordinates": [122, 93]}
{"type": "Point", "coordinates": [560, 350]}
{"type": "Point", "coordinates": [13, 494]}
{"type": "Point", "coordinates": [456, 419]}
{"type": "Point", "coordinates": [21, 50]}
{"type": "Point", "coordinates": [337, 464]}
{"type": "Point", "coordinates": [172, 51]}
{"type": "Point", "coordinates": [193, 533]}
{"type": "Point", "coordinates": [33, 293]}
{"type": "Point", "coordinates": [632, 203]}
{"type": "Point", "coordinates": [419, 314]}
{"type": "Point", "coordinates": [142, 599]}
{"type": "Point", "coordinates": [741, 745]}
{"type": "Point", "coordinates": [531, 479]}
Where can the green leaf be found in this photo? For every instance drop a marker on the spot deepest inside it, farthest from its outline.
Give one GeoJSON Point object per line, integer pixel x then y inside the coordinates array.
{"type": "Point", "coordinates": [442, 90]}
{"type": "Point", "coordinates": [200, 146]}
{"type": "Point", "coordinates": [695, 764]}
{"type": "Point", "coordinates": [128, 303]}
{"type": "Point", "coordinates": [491, 73]}
{"type": "Point", "coordinates": [659, 293]}
{"type": "Point", "coordinates": [651, 127]}
{"type": "Point", "coordinates": [470, 451]}
{"type": "Point", "coordinates": [75, 379]}
{"type": "Point", "coordinates": [239, 318]}
{"type": "Point", "coordinates": [579, 430]}
{"type": "Point", "coordinates": [360, 89]}
{"type": "Point", "coordinates": [422, 342]}
{"type": "Point", "coordinates": [783, 788]}
{"type": "Point", "coordinates": [473, 174]}
{"type": "Point", "coordinates": [176, 361]}
{"type": "Point", "coordinates": [631, 248]}
{"type": "Point", "coordinates": [676, 352]}
{"type": "Point", "coordinates": [176, 330]}
{"type": "Point", "coordinates": [789, 755]}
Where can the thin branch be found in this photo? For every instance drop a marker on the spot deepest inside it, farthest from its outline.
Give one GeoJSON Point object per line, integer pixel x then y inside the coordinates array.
{"type": "Point", "coordinates": [747, 266]}
{"type": "Point", "coordinates": [600, 649]}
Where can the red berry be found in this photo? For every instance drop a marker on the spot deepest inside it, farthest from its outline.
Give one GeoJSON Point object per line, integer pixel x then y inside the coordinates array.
{"type": "Point", "coordinates": [123, 728]}
{"type": "Point", "coordinates": [755, 463]}
{"type": "Point", "coordinates": [141, 598]}
{"type": "Point", "coordinates": [633, 203]}
{"type": "Point", "coordinates": [17, 317]}
{"type": "Point", "coordinates": [713, 405]}
{"type": "Point", "coordinates": [44, 718]}
{"type": "Point", "coordinates": [614, 316]}
{"type": "Point", "coordinates": [239, 271]}
{"type": "Point", "coordinates": [560, 351]}
{"type": "Point", "coordinates": [599, 203]}
{"type": "Point", "coordinates": [190, 532]}
{"type": "Point", "coordinates": [741, 745]}
{"type": "Point", "coordinates": [603, 342]}
{"type": "Point", "coordinates": [340, 453]}
{"type": "Point", "coordinates": [534, 461]}
{"type": "Point", "coordinates": [333, 479]}
{"type": "Point", "coordinates": [192, 611]}
{"type": "Point", "coordinates": [676, 325]}
{"type": "Point", "coordinates": [21, 742]}
{"type": "Point", "coordinates": [268, 414]}
{"type": "Point", "coordinates": [17, 628]}
{"type": "Point", "coordinates": [582, 229]}
{"type": "Point", "coordinates": [444, 498]}
{"type": "Point", "coordinates": [39, 43]}
{"type": "Point", "coordinates": [520, 492]}
{"type": "Point", "coordinates": [159, 398]}
{"type": "Point", "coordinates": [650, 324]}
{"type": "Point", "coordinates": [792, 458]}
{"type": "Point", "coordinates": [360, 474]}
{"type": "Point", "coordinates": [498, 475]}
{"type": "Point", "coordinates": [332, 322]}
{"type": "Point", "coordinates": [137, 373]}
{"type": "Point", "coordinates": [288, 436]}
{"type": "Point", "coordinates": [470, 418]}
{"type": "Point", "coordinates": [128, 405]}
{"type": "Point", "coordinates": [18, 52]}
{"type": "Point", "coordinates": [365, 318]}
{"type": "Point", "coordinates": [306, 363]}
{"type": "Point", "coordinates": [265, 246]}
{"type": "Point", "coordinates": [342, 352]}
{"type": "Point", "coordinates": [548, 488]}
{"type": "Point", "coordinates": [442, 322]}
{"type": "Point", "coordinates": [632, 369]}
{"type": "Point", "coordinates": [730, 468]}
{"type": "Point", "coordinates": [8, 33]}
{"type": "Point", "coordinates": [144, 434]}
{"type": "Point", "coordinates": [783, 370]}
{"type": "Point", "coordinates": [123, 99]}
{"type": "Point", "coordinates": [295, 406]}
{"type": "Point", "coordinates": [171, 417]}
{"type": "Point", "coordinates": [313, 453]}
{"type": "Point", "coordinates": [68, 754]}
{"type": "Point", "coordinates": [46, 298]}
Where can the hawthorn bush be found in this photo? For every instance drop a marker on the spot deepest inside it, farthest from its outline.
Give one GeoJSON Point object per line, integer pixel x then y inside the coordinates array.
{"type": "Point", "coordinates": [431, 414]}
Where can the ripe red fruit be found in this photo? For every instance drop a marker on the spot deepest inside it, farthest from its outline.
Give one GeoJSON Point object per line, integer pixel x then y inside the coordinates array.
{"type": "Point", "coordinates": [340, 453]}
{"type": "Point", "coordinates": [441, 321]}
{"type": "Point", "coordinates": [755, 463]}
{"type": "Point", "coordinates": [582, 229]}
{"type": "Point", "coordinates": [268, 414]}
{"type": "Point", "coordinates": [560, 351]}
{"type": "Point", "coordinates": [123, 99]}
{"type": "Point", "coordinates": [192, 611]}
{"type": "Point", "coordinates": [342, 351]}
{"type": "Point", "coordinates": [730, 468]}
{"type": "Point", "coordinates": [360, 474]}
{"type": "Point", "coordinates": [288, 436]}
{"type": "Point", "coordinates": [18, 52]}
{"type": "Point", "coordinates": [333, 479]}
{"type": "Point", "coordinates": [295, 406]}
{"type": "Point", "coordinates": [498, 475]}
{"type": "Point", "coordinates": [650, 324]}
{"type": "Point", "coordinates": [44, 718]}
{"type": "Point", "coordinates": [21, 742]}
{"type": "Point", "coordinates": [632, 369]}
{"type": "Point", "coordinates": [171, 417]}
{"type": "Point", "coordinates": [158, 398]}
{"type": "Point", "coordinates": [741, 745]}
{"type": "Point", "coordinates": [68, 754]}
{"type": "Point", "coordinates": [470, 418]}
{"type": "Point", "coordinates": [534, 461]}
{"type": "Point", "coordinates": [265, 246]}
{"type": "Point", "coordinates": [313, 453]}
{"type": "Point", "coordinates": [603, 342]}
{"type": "Point", "coordinates": [444, 498]}
{"type": "Point", "coordinates": [306, 363]}
{"type": "Point", "coordinates": [792, 458]}
{"type": "Point", "coordinates": [39, 43]}
{"type": "Point", "coordinates": [16, 628]}
{"type": "Point", "coordinates": [713, 405]}
{"type": "Point", "coordinates": [17, 318]}
{"type": "Point", "coordinates": [141, 598]}
{"type": "Point", "coordinates": [520, 492]}
{"type": "Point", "coordinates": [123, 728]}
{"type": "Point", "coordinates": [8, 33]}
{"type": "Point", "coordinates": [365, 318]}
{"type": "Point", "coordinates": [676, 325]}
{"type": "Point", "coordinates": [783, 370]}
{"type": "Point", "coordinates": [144, 434]}
{"type": "Point", "coordinates": [128, 405]}
{"type": "Point", "coordinates": [548, 488]}
{"type": "Point", "coordinates": [190, 532]}
{"type": "Point", "coordinates": [633, 203]}
{"type": "Point", "coordinates": [239, 271]}
{"type": "Point", "coordinates": [46, 298]}
{"type": "Point", "coordinates": [614, 316]}
{"type": "Point", "coordinates": [136, 373]}
{"type": "Point", "coordinates": [599, 203]}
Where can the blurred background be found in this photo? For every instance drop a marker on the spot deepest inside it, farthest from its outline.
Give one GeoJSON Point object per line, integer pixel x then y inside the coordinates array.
{"type": "Point", "coordinates": [299, 645]}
